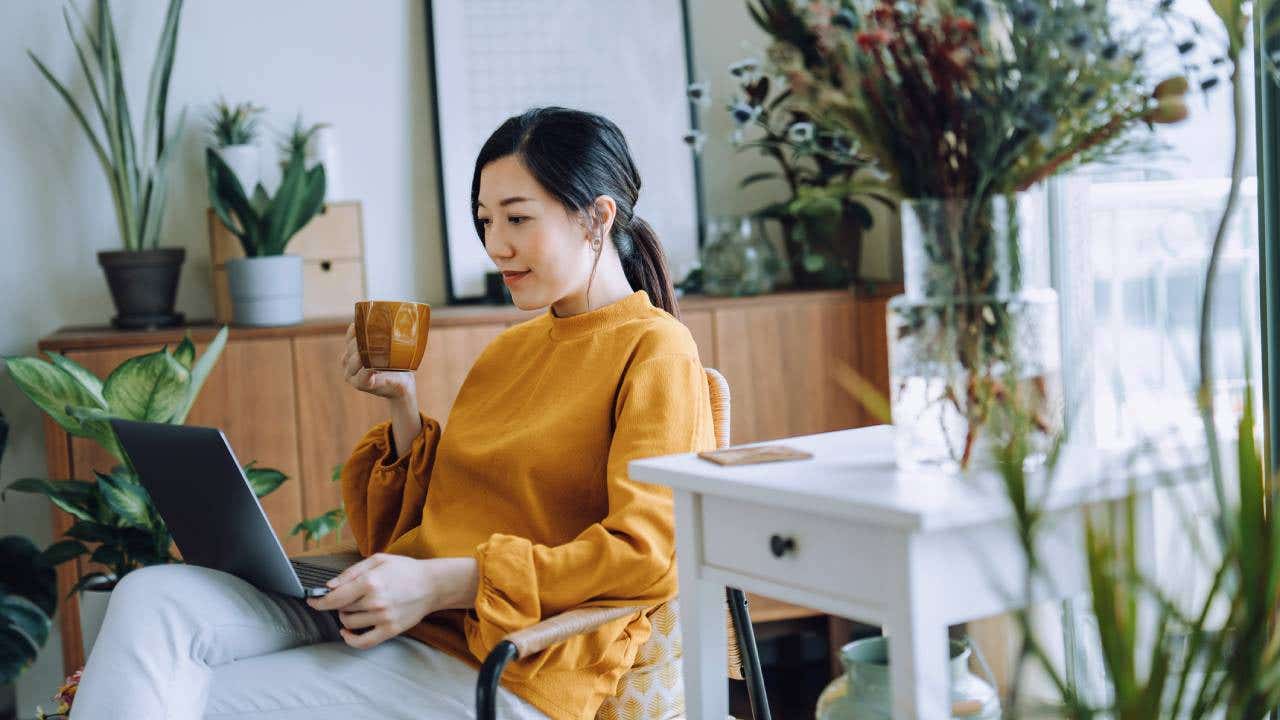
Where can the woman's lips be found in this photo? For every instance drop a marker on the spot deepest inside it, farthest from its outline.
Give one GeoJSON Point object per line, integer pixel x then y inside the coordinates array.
{"type": "Point", "coordinates": [512, 277]}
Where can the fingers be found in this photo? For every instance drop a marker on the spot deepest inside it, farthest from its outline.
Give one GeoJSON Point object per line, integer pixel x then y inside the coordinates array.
{"type": "Point", "coordinates": [356, 620]}
{"type": "Point", "coordinates": [356, 570]}
{"type": "Point", "coordinates": [351, 332]}
{"type": "Point", "coordinates": [368, 638]}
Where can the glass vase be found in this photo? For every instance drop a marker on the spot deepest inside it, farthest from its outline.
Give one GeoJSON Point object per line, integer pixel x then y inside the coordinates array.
{"type": "Point", "coordinates": [974, 357]}
{"type": "Point", "coordinates": [738, 259]}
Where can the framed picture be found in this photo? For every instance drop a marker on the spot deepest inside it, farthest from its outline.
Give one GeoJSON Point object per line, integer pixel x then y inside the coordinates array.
{"type": "Point", "coordinates": [626, 60]}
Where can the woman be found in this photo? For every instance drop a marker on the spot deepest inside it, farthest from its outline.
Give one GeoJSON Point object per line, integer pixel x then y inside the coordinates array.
{"type": "Point", "coordinates": [529, 510]}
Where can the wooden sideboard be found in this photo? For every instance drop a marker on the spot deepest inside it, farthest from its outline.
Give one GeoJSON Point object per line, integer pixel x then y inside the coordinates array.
{"type": "Point", "coordinates": [277, 393]}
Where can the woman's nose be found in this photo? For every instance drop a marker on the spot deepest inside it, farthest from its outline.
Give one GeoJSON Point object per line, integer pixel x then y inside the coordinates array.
{"type": "Point", "coordinates": [495, 243]}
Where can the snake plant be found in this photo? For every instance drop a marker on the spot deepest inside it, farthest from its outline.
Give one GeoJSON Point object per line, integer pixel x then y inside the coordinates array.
{"type": "Point", "coordinates": [265, 224]}
{"type": "Point", "coordinates": [136, 173]}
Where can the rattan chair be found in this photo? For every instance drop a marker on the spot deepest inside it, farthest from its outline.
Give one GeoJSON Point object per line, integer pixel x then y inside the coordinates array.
{"type": "Point", "coordinates": [657, 655]}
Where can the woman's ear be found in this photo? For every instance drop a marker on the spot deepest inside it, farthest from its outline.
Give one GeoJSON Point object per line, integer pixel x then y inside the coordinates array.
{"type": "Point", "coordinates": [604, 210]}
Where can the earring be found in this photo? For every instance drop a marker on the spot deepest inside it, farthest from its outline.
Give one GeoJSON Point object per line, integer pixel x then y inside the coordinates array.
{"type": "Point", "coordinates": [598, 242]}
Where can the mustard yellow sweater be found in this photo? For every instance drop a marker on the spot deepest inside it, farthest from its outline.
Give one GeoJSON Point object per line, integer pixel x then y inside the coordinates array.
{"type": "Point", "coordinates": [530, 478]}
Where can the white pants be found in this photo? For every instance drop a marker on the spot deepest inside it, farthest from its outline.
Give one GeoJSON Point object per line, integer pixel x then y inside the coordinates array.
{"type": "Point", "coordinates": [182, 642]}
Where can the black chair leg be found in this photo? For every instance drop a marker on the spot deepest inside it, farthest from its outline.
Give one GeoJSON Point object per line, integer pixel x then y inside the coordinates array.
{"type": "Point", "coordinates": [487, 684]}
{"type": "Point", "coordinates": [750, 655]}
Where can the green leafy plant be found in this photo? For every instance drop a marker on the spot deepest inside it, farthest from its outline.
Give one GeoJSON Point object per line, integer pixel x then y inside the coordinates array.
{"type": "Point", "coordinates": [1171, 648]}
{"type": "Point", "coordinates": [295, 141]}
{"type": "Point", "coordinates": [826, 210]}
{"type": "Point", "coordinates": [28, 598]}
{"type": "Point", "coordinates": [113, 511]}
{"type": "Point", "coordinates": [265, 224]}
{"type": "Point", "coordinates": [315, 528]}
{"type": "Point", "coordinates": [137, 173]}
{"type": "Point", "coordinates": [234, 124]}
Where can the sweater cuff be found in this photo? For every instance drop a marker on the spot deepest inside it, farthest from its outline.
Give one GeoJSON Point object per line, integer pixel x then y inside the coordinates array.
{"type": "Point", "coordinates": [506, 596]}
{"type": "Point", "coordinates": [386, 445]}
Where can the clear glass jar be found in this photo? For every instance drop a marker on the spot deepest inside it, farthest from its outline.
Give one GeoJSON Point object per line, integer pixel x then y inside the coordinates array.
{"type": "Point", "coordinates": [737, 258]}
{"type": "Point", "coordinates": [974, 358]}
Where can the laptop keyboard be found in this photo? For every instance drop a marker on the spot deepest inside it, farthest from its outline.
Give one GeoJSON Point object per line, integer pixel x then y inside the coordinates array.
{"type": "Point", "coordinates": [312, 575]}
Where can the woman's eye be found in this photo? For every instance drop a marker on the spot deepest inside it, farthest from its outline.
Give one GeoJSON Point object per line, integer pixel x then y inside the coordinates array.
{"type": "Point", "coordinates": [517, 219]}
{"type": "Point", "coordinates": [483, 221]}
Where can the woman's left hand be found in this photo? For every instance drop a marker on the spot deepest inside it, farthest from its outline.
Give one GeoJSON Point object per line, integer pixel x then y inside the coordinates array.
{"type": "Point", "coordinates": [390, 593]}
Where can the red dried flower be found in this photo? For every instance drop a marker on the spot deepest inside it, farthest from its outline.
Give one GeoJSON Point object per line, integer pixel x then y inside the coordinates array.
{"type": "Point", "coordinates": [869, 40]}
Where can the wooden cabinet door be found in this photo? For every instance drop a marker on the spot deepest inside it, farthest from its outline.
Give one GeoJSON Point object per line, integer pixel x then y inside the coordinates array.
{"type": "Point", "coordinates": [250, 397]}
{"type": "Point", "coordinates": [779, 360]}
{"type": "Point", "coordinates": [701, 324]}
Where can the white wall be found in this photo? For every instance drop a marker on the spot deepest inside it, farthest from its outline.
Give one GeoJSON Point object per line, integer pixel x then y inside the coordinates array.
{"type": "Point", "coordinates": [361, 66]}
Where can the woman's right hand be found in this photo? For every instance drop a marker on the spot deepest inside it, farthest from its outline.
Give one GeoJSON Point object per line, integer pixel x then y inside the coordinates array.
{"type": "Point", "coordinates": [390, 384]}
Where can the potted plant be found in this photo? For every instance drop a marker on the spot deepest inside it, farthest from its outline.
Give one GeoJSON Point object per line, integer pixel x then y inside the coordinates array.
{"type": "Point", "coordinates": [266, 284]}
{"type": "Point", "coordinates": [143, 276]}
{"type": "Point", "coordinates": [116, 525]}
{"type": "Point", "coordinates": [234, 129]}
{"type": "Point", "coordinates": [28, 598]}
{"type": "Point", "coordinates": [825, 214]}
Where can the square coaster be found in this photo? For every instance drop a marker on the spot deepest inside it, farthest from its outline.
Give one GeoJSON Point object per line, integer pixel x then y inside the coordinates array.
{"type": "Point", "coordinates": [753, 455]}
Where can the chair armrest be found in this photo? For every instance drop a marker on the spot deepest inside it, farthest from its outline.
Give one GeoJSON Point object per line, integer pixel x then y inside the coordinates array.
{"type": "Point", "coordinates": [527, 641]}
{"type": "Point", "coordinates": [564, 626]}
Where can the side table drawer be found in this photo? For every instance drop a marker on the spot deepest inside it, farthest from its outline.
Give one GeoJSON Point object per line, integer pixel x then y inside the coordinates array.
{"type": "Point", "coordinates": [793, 548]}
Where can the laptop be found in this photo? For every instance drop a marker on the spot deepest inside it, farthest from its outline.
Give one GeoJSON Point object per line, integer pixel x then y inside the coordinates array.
{"type": "Point", "coordinates": [201, 492]}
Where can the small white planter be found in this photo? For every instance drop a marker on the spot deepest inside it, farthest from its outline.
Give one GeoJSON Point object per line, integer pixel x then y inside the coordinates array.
{"type": "Point", "coordinates": [323, 148]}
{"type": "Point", "coordinates": [93, 608]}
{"type": "Point", "coordinates": [244, 162]}
{"type": "Point", "coordinates": [266, 291]}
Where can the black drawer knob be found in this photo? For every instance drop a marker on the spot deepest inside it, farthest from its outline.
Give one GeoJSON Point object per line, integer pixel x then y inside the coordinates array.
{"type": "Point", "coordinates": [781, 545]}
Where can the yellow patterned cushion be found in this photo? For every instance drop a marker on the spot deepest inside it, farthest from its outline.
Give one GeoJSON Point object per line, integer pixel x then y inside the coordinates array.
{"type": "Point", "coordinates": [654, 688]}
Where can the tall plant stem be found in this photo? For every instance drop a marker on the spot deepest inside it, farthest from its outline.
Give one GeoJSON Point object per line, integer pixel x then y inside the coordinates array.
{"type": "Point", "coordinates": [1204, 394]}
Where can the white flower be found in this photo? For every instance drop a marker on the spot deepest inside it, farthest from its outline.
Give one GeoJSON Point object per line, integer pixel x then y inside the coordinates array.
{"type": "Point", "coordinates": [800, 133]}
{"type": "Point", "coordinates": [744, 112]}
{"type": "Point", "coordinates": [744, 68]}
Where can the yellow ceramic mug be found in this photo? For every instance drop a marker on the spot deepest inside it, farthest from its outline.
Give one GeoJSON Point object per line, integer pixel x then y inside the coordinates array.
{"type": "Point", "coordinates": [392, 334]}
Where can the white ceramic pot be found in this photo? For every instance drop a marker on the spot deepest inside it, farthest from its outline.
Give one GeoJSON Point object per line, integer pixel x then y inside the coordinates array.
{"type": "Point", "coordinates": [266, 291]}
{"type": "Point", "coordinates": [243, 161]}
{"type": "Point", "coordinates": [323, 148]}
{"type": "Point", "coordinates": [93, 608]}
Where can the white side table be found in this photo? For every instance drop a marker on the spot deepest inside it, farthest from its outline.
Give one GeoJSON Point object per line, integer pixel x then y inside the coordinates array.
{"type": "Point", "coordinates": [849, 534]}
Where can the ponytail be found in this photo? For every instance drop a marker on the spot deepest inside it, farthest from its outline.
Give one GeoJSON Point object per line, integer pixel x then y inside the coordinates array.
{"type": "Point", "coordinates": [646, 266]}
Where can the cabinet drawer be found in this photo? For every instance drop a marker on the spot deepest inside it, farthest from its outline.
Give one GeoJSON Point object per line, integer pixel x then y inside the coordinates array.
{"type": "Point", "coordinates": [788, 547]}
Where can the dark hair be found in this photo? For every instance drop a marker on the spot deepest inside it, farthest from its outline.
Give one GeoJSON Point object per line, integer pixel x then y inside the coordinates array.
{"type": "Point", "coordinates": [578, 156]}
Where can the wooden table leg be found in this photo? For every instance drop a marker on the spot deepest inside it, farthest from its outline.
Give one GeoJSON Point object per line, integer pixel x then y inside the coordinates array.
{"type": "Point", "coordinates": [702, 620]}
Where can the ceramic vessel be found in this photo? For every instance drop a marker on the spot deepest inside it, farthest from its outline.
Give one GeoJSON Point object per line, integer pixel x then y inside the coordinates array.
{"type": "Point", "coordinates": [391, 334]}
{"type": "Point", "coordinates": [143, 284]}
{"type": "Point", "coordinates": [863, 692]}
{"type": "Point", "coordinates": [265, 291]}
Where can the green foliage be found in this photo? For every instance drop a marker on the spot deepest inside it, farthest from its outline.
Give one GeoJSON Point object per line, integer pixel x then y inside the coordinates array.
{"type": "Point", "coordinates": [313, 529]}
{"type": "Point", "coordinates": [27, 602]}
{"type": "Point", "coordinates": [138, 176]}
{"type": "Point", "coordinates": [116, 523]}
{"type": "Point", "coordinates": [234, 124]}
{"type": "Point", "coordinates": [265, 224]}
{"type": "Point", "coordinates": [295, 141]}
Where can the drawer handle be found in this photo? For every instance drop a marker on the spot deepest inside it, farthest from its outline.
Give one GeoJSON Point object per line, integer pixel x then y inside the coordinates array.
{"type": "Point", "coordinates": [781, 545]}
{"type": "Point", "coordinates": [325, 265]}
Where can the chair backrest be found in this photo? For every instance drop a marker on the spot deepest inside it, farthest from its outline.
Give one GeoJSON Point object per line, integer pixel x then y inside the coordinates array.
{"type": "Point", "coordinates": [653, 688]}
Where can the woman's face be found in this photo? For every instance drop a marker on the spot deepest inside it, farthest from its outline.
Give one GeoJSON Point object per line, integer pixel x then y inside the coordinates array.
{"type": "Point", "coordinates": [527, 230]}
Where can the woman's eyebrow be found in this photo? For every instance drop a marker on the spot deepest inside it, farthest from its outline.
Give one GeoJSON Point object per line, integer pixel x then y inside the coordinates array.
{"type": "Point", "coordinates": [508, 201]}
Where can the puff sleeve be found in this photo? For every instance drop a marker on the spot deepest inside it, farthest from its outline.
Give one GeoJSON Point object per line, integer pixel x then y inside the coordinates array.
{"type": "Point", "coordinates": [384, 495]}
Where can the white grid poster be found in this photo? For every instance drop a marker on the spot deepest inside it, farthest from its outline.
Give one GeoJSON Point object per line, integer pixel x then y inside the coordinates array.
{"type": "Point", "coordinates": [624, 59]}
